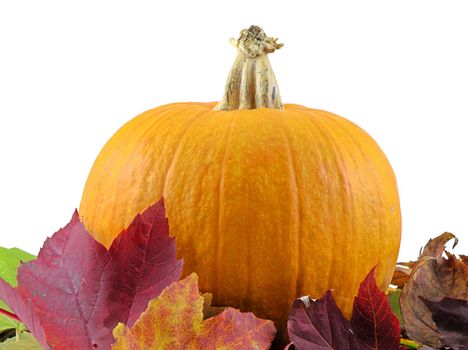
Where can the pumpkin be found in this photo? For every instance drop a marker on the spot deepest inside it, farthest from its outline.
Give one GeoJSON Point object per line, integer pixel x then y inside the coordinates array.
{"type": "Point", "coordinates": [268, 202]}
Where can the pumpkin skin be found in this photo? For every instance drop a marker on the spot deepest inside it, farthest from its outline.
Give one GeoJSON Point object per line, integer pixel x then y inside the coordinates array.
{"type": "Point", "coordinates": [266, 204]}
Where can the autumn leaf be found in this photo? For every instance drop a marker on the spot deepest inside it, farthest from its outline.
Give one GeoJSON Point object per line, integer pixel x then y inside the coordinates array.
{"type": "Point", "coordinates": [77, 291]}
{"type": "Point", "coordinates": [401, 275]}
{"type": "Point", "coordinates": [319, 324]}
{"type": "Point", "coordinates": [451, 317]}
{"type": "Point", "coordinates": [10, 259]}
{"type": "Point", "coordinates": [464, 259]}
{"type": "Point", "coordinates": [433, 278]}
{"type": "Point", "coordinates": [434, 247]}
{"type": "Point", "coordinates": [174, 320]}
{"type": "Point", "coordinates": [372, 319]}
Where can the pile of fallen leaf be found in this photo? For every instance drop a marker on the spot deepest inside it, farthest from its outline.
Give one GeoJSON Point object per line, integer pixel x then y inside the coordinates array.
{"type": "Point", "coordinates": [79, 295]}
{"type": "Point", "coordinates": [432, 296]}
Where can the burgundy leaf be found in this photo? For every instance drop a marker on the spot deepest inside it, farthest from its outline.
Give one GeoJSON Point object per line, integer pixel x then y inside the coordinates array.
{"type": "Point", "coordinates": [149, 256]}
{"type": "Point", "coordinates": [66, 287]}
{"type": "Point", "coordinates": [320, 325]}
{"type": "Point", "coordinates": [372, 319]}
{"type": "Point", "coordinates": [451, 317]}
{"type": "Point", "coordinates": [80, 290]}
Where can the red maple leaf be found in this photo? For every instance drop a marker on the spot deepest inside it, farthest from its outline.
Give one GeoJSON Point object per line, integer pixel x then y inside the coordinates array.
{"type": "Point", "coordinates": [372, 320]}
{"type": "Point", "coordinates": [77, 291]}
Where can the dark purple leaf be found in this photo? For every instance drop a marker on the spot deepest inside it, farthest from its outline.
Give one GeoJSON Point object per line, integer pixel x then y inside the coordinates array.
{"type": "Point", "coordinates": [451, 317]}
{"type": "Point", "coordinates": [320, 324]}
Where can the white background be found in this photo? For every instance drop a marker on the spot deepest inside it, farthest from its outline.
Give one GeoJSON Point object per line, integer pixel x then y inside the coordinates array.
{"type": "Point", "coordinates": [71, 73]}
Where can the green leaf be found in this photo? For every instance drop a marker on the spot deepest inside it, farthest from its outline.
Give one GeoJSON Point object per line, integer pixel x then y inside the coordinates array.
{"type": "Point", "coordinates": [24, 341]}
{"type": "Point", "coordinates": [10, 260]}
{"type": "Point", "coordinates": [394, 300]}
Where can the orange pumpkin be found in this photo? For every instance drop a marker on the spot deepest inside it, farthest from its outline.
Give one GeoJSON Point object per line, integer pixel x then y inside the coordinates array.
{"type": "Point", "coordinates": [267, 202]}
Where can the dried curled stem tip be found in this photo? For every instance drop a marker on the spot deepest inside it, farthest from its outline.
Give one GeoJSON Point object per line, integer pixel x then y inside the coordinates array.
{"type": "Point", "coordinates": [253, 42]}
{"type": "Point", "coordinates": [251, 82]}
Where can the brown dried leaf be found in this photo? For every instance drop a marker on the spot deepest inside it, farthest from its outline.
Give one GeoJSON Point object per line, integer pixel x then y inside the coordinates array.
{"type": "Point", "coordinates": [400, 276]}
{"type": "Point", "coordinates": [432, 278]}
{"type": "Point", "coordinates": [436, 246]}
{"type": "Point", "coordinates": [464, 259]}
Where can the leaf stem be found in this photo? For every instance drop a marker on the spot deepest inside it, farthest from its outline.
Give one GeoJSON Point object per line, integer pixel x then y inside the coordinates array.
{"type": "Point", "coordinates": [409, 343]}
{"type": "Point", "coordinates": [9, 314]}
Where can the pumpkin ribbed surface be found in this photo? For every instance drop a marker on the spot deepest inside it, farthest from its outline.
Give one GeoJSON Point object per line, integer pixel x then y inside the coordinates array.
{"type": "Point", "coordinates": [266, 204]}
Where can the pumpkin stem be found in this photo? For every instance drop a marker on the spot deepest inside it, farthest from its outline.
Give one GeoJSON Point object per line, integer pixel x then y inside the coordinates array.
{"type": "Point", "coordinates": [251, 82]}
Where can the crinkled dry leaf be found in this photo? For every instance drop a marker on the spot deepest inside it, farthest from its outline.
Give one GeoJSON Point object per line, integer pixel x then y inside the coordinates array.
{"type": "Point", "coordinates": [432, 278]}
{"type": "Point", "coordinates": [464, 259]}
{"type": "Point", "coordinates": [400, 275]}
{"type": "Point", "coordinates": [434, 247]}
{"type": "Point", "coordinates": [174, 320]}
